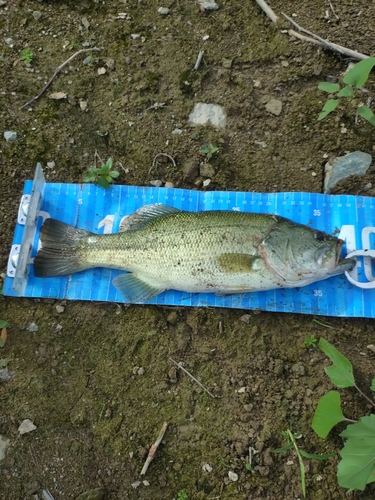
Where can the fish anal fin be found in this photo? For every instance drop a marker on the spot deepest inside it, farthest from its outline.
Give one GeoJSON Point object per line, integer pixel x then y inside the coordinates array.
{"type": "Point", "coordinates": [237, 262]}
{"type": "Point", "coordinates": [145, 214]}
{"type": "Point", "coordinates": [134, 289]}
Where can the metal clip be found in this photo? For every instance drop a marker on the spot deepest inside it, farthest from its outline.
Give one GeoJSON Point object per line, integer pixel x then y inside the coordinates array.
{"type": "Point", "coordinates": [13, 260]}
{"type": "Point", "coordinates": [360, 253]}
{"type": "Point", "coordinates": [23, 209]}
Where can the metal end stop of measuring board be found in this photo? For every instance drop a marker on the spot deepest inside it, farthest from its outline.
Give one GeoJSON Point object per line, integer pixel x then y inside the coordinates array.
{"type": "Point", "coordinates": [19, 258]}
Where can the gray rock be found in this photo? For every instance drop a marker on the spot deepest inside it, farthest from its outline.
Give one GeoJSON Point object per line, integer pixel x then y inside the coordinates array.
{"type": "Point", "coordinates": [207, 170]}
{"type": "Point", "coordinates": [274, 106]}
{"type": "Point", "coordinates": [208, 114]}
{"type": "Point", "coordinates": [9, 41]}
{"type": "Point", "coordinates": [208, 4]}
{"type": "Point", "coordinates": [356, 163]}
{"type": "Point", "coordinates": [26, 426]}
{"type": "Point", "coordinates": [4, 443]}
{"type": "Point", "coordinates": [10, 136]}
{"type": "Point", "coordinates": [163, 11]}
{"type": "Point", "coordinates": [37, 15]}
{"type": "Point", "coordinates": [33, 327]}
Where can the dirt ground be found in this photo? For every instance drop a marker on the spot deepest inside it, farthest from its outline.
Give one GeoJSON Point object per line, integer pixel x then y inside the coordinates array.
{"type": "Point", "coordinates": [97, 379]}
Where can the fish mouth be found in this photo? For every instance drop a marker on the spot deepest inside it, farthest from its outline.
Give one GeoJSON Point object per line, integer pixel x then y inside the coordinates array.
{"type": "Point", "coordinates": [343, 265]}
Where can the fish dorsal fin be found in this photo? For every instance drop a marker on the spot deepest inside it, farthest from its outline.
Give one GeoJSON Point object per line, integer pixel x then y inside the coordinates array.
{"type": "Point", "coordinates": [133, 289]}
{"type": "Point", "coordinates": [145, 214]}
{"type": "Point", "coordinates": [238, 262]}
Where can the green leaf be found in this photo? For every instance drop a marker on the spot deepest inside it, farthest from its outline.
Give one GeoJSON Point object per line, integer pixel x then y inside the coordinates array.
{"type": "Point", "coordinates": [108, 178]}
{"type": "Point", "coordinates": [102, 181]}
{"type": "Point", "coordinates": [3, 324]}
{"type": "Point", "coordinates": [2, 343]}
{"type": "Point", "coordinates": [341, 371]}
{"type": "Point", "coordinates": [328, 413]}
{"type": "Point", "coordinates": [283, 448]}
{"type": "Point", "coordinates": [328, 107]}
{"type": "Point", "coordinates": [114, 174]}
{"type": "Point", "coordinates": [356, 468]}
{"type": "Point", "coordinates": [90, 177]}
{"type": "Point", "coordinates": [329, 87]}
{"type": "Point", "coordinates": [367, 114]}
{"type": "Point", "coordinates": [109, 163]}
{"type": "Point", "coordinates": [359, 73]}
{"type": "Point", "coordinates": [346, 92]}
{"type": "Point", "coordinates": [373, 384]}
{"type": "Point", "coordinates": [314, 456]}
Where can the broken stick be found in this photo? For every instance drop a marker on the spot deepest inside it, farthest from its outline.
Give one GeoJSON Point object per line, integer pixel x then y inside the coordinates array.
{"type": "Point", "coordinates": [153, 449]}
{"type": "Point", "coordinates": [57, 71]}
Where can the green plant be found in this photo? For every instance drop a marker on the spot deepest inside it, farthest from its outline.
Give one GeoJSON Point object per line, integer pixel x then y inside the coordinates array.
{"type": "Point", "coordinates": [310, 341]}
{"type": "Point", "coordinates": [182, 495]}
{"type": "Point", "coordinates": [3, 324]}
{"type": "Point", "coordinates": [354, 79]}
{"type": "Point", "coordinates": [356, 468]}
{"type": "Point", "coordinates": [208, 150]}
{"type": "Point", "coordinates": [27, 55]}
{"type": "Point", "coordinates": [103, 176]}
{"type": "Point", "coordinates": [291, 438]}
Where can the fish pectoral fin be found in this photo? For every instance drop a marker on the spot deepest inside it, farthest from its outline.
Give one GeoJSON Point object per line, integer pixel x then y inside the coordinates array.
{"type": "Point", "coordinates": [133, 289]}
{"type": "Point", "coordinates": [238, 262]}
{"type": "Point", "coordinates": [145, 214]}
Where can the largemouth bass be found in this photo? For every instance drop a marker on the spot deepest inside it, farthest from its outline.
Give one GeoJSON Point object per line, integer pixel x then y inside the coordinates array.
{"type": "Point", "coordinates": [223, 252]}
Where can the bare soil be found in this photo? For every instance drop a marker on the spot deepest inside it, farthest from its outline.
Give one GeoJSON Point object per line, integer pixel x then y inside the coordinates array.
{"type": "Point", "coordinates": [78, 378]}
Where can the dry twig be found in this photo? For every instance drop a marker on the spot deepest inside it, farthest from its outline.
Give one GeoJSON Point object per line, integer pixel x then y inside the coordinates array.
{"type": "Point", "coordinates": [157, 156]}
{"type": "Point", "coordinates": [315, 38]}
{"type": "Point", "coordinates": [192, 377]}
{"type": "Point", "coordinates": [153, 449]}
{"type": "Point", "coordinates": [57, 71]}
{"type": "Point", "coordinates": [325, 43]}
{"type": "Point", "coordinates": [267, 10]}
{"type": "Point", "coordinates": [199, 59]}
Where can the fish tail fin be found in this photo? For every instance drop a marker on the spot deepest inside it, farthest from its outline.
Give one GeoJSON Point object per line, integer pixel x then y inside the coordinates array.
{"type": "Point", "coordinates": [60, 252]}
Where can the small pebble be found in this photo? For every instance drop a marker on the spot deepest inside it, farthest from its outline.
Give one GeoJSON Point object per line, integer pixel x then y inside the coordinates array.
{"type": "Point", "coordinates": [101, 71]}
{"type": "Point", "coordinates": [169, 185]}
{"type": "Point", "coordinates": [207, 170]}
{"type": "Point", "coordinates": [163, 11]}
{"type": "Point", "coordinates": [206, 182]}
{"type": "Point", "coordinates": [208, 4]}
{"type": "Point", "coordinates": [232, 476]}
{"type": "Point", "coordinates": [245, 318]}
{"type": "Point", "coordinates": [207, 467]}
{"type": "Point", "coordinates": [141, 371]}
{"type": "Point", "coordinates": [87, 60]}
{"type": "Point", "coordinates": [26, 426]}
{"type": "Point", "coordinates": [274, 106]}
{"type": "Point", "coordinates": [60, 309]}
{"type": "Point", "coordinates": [37, 15]}
{"type": "Point", "coordinates": [10, 136]}
{"type": "Point", "coordinates": [33, 327]}
{"type": "Point", "coordinates": [177, 131]}
{"type": "Point", "coordinates": [135, 36]}
{"type": "Point", "coordinates": [9, 41]}
{"type": "Point", "coordinates": [156, 183]}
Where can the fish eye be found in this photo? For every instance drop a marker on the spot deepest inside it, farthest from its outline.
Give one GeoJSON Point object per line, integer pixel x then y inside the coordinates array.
{"type": "Point", "coordinates": [319, 236]}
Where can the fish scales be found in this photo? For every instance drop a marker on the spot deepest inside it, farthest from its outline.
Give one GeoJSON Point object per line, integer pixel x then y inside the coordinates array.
{"type": "Point", "coordinates": [184, 248]}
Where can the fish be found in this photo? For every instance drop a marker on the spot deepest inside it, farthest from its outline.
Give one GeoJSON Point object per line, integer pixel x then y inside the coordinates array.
{"type": "Point", "coordinates": [222, 252]}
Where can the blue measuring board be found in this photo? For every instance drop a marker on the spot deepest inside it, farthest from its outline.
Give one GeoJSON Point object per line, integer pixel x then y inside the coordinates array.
{"type": "Point", "coordinates": [101, 211]}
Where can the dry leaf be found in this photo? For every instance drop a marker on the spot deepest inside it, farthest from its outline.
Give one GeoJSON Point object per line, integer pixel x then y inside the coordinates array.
{"type": "Point", "coordinates": [4, 335]}
{"type": "Point", "coordinates": [57, 95]}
